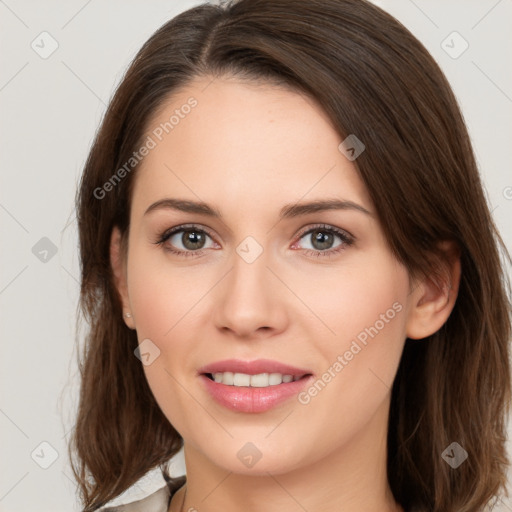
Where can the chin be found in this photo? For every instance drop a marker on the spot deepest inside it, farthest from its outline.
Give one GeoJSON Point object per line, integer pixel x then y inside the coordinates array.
{"type": "Point", "coordinates": [256, 459]}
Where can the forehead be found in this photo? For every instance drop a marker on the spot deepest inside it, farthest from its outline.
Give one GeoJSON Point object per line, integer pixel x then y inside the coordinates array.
{"type": "Point", "coordinates": [223, 138]}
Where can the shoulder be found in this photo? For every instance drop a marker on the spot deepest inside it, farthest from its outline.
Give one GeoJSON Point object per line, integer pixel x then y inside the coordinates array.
{"type": "Point", "coordinates": [157, 501]}
{"type": "Point", "coordinates": [152, 493]}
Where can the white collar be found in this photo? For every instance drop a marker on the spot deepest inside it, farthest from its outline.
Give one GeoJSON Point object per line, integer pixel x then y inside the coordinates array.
{"type": "Point", "coordinates": [151, 491]}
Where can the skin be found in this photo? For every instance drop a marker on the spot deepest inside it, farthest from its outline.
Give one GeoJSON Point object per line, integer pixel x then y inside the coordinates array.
{"type": "Point", "coordinates": [248, 149]}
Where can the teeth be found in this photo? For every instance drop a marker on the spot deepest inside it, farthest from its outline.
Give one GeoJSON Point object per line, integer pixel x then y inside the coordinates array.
{"type": "Point", "coordinates": [274, 379]}
{"type": "Point", "coordinates": [241, 379]}
{"type": "Point", "coordinates": [262, 380]}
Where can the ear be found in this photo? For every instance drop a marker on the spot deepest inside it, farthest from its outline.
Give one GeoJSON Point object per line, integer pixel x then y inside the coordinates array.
{"type": "Point", "coordinates": [118, 263]}
{"type": "Point", "coordinates": [434, 297]}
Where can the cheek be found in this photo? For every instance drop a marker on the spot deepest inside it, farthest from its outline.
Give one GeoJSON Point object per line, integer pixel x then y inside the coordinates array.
{"type": "Point", "coordinates": [364, 307]}
{"type": "Point", "coordinates": [162, 295]}
{"type": "Point", "coordinates": [373, 312]}
{"type": "Point", "coordinates": [361, 359]}
{"type": "Point", "coordinates": [163, 299]}
{"type": "Point", "coordinates": [365, 293]}
{"type": "Point", "coordinates": [356, 370]}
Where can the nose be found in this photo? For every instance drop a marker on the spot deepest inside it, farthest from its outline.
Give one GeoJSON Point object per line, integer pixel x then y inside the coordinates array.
{"type": "Point", "coordinates": [250, 300]}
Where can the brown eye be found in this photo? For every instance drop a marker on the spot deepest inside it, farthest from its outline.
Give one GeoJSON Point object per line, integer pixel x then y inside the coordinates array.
{"type": "Point", "coordinates": [193, 240]}
{"type": "Point", "coordinates": [324, 240]}
{"type": "Point", "coordinates": [321, 239]}
{"type": "Point", "coordinates": [185, 240]}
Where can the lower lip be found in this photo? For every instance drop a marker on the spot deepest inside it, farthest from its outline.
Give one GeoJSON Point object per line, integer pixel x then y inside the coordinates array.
{"type": "Point", "coordinates": [249, 399]}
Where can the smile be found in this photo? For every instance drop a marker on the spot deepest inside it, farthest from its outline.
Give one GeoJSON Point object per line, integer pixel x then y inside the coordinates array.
{"type": "Point", "coordinates": [253, 386]}
{"type": "Point", "coordinates": [261, 380]}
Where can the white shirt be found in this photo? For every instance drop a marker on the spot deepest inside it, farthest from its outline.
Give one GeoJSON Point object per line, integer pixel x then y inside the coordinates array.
{"type": "Point", "coordinates": [149, 494]}
{"type": "Point", "coordinates": [157, 501]}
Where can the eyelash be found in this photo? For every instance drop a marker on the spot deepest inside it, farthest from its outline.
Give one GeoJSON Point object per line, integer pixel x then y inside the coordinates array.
{"type": "Point", "coordinates": [346, 239]}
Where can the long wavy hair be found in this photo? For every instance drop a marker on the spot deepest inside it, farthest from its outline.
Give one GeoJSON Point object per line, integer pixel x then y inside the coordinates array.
{"type": "Point", "coordinates": [373, 78]}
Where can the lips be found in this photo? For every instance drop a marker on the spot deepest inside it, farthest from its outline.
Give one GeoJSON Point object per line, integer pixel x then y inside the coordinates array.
{"type": "Point", "coordinates": [250, 398]}
{"type": "Point", "coordinates": [253, 367]}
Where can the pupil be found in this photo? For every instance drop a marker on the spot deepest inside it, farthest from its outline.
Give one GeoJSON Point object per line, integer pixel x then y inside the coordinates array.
{"type": "Point", "coordinates": [323, 239]}
{"type": "Point", "coordinates": [193, 239]}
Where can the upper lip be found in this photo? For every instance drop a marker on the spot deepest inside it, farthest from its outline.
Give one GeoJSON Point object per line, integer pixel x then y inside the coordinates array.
{"type": "Point", "coordinates": [253, 367]}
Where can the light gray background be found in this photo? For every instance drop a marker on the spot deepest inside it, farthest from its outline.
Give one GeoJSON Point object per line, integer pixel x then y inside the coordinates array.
{"type": "Point", "coordinates": [50, 109]}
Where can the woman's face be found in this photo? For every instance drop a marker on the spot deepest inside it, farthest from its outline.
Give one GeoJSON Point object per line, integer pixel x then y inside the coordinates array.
{"type": "Point", "coordinates": [268, 280]}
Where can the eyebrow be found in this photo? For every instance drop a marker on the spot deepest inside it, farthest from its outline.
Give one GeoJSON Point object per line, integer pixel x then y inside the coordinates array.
{"type": "Point", "coordinates": [287, 212]}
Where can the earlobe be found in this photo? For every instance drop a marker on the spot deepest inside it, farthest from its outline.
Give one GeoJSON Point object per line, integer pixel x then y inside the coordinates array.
{"type": "Point", "coordinates": [433, 300]}
{"type": "Point", "coordinates": [118, 264]}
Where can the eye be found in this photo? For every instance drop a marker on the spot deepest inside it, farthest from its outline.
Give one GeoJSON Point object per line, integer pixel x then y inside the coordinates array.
{"type": "Point", "coordinates": [325, 240]}
{"type": "Point", "coordinates": [189, 240]}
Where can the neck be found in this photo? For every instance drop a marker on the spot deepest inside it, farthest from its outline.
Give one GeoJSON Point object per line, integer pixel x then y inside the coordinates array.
{"type": "Point", "coordinates": [349, 479]}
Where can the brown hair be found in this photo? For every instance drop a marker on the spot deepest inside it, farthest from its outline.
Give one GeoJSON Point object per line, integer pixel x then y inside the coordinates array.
{"type": "Point", "coordinates": [373, 79]}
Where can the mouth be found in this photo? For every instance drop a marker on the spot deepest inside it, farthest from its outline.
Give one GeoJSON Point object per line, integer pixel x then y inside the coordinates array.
{"type": "Point", "coordinates": [253, 386]}
{"type": "Point", "coordinates": [260, 380]}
